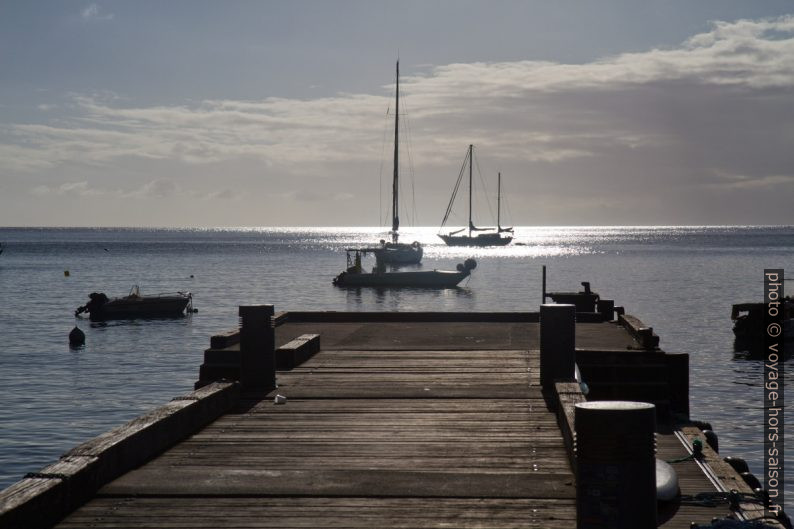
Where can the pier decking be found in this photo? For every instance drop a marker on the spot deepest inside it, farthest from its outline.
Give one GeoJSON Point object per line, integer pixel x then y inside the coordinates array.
{"type": "Point", "coordinates": [398, 421]}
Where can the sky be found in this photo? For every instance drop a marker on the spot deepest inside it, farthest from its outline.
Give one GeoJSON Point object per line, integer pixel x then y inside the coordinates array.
{"type": "Point", "coordinates": [264, 113]}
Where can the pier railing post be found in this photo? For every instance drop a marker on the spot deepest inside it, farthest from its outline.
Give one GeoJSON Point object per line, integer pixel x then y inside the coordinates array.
{"type": "Point", "coordinates": [615, 465]}
{"type": "Point", "coordinates": [257, 347]}
{"type": "Point", "coordinates": [607, 309]}
{"type": "Point", "coordinates": [557, 343]}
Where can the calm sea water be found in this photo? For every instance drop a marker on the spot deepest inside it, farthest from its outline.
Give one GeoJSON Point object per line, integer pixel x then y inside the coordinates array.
{"type": "Point", "coordinates": [681, 281]}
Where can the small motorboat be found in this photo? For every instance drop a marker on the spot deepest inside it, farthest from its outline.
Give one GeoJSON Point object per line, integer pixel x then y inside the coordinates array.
{"type": "Point", "coordinates": [355, 276]}
{"type": "Point", "coordinates": [749, 328]}
{"type": "Point", "coordinates": [135, 305]}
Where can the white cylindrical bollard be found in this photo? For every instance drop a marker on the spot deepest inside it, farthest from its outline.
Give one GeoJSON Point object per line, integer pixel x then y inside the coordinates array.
{"type": "Point", "coordinates": [615, 465]}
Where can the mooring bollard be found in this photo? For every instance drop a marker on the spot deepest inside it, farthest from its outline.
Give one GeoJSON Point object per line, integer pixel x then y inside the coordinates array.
{"type": "Point", "coordinates": [557, 343]}
{"type": "Point", "coordinates": [257, 347]}
{"type": "Point", "coordinates": [615, 465]}
{"type": "Point", "coordinates": [607, 309]}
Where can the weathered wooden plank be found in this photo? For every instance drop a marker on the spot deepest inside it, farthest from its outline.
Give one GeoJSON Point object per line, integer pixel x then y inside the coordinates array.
{"type": "Point", "coordinates": [300, 513]}
{"type": "Point", "coordinates": [139, 440]}
{"type": "Point", "coordinates": [382, 483]}
{"type": "Point", "coordinates": [298, 351]}
{"type": "Point", "coordinates": [61, 486]}
{"type": "Point", "coordinates": [225, 339]}
{"type": "Point", "coordinates": [413, 407]}
{"type": "Point", "coordinates": [354, 334]}
{"type": "Point", "coordinates": [417, 390]}
{"type": "Point", "coordinates": [567, 395]}
{"type": "Point", "coordinates": [327, 513]}
{"type": "Point", "coordinates": [639, 331]}
{"type": "Point", "coordinates": [34, 502]}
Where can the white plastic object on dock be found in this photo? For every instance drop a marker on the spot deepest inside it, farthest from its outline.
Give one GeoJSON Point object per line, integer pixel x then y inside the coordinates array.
{"type": "Point", "coordinates": [279, 399]}
{"type": "Point", "coordinates": [666, 481]}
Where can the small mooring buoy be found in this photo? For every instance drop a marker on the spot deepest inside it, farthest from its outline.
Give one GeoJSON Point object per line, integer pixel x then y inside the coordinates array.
{"type": "Point", "coordinates": [66, 273]}
{"type": "Point", "coordinates": [76, 337]}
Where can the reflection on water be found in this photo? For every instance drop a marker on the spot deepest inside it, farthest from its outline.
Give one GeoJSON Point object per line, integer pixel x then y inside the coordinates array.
{"type": "Point", "coordinates": [756, 350]}
{"type": "Point", "coordinates": [393, 299]}
{"type": "Point", "coordinates": [681, 281]}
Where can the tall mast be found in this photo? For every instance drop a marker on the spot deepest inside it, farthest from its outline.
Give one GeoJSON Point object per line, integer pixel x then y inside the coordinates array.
{"type": "Point", "coordinates": [498, 200]}
{"type": "Point", "coordinates": [471, 162]}
{"type": "Point", "coordinates": [395, 217]}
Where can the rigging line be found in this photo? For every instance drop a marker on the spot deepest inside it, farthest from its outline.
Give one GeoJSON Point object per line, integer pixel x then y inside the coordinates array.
{"type": "Point", "coordinates": [403, 141]}
{"type": "Point", "coordinates": [507, 207]}
{"type": "Point", "coordinates": [485, 191]}
{"type": "Point", "coordinates": [407, 132]}
{"type": "Point", "coordinates": [381, 216]}
{"type": "Point", "coordinates": [404, 213]}
{"type": "Point", "coordinates": [403, 206]}
{"type": "Point", "coordinates": [455, 190]}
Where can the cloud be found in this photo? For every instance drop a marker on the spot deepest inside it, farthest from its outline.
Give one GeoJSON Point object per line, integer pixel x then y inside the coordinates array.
{"type": "Point", "coordinates": [158, 188]}
{"type": "Point", "coordinates": [741, 182]}
{"type": "Point", "coordinates": [508, 104]}
{"type": "Point", "coordinates": [68, 188]}
{"type": "Point", "coordinates": [223, 194]}
{"type": "Point", "coordinates": [313, 195]}
{"type": "Point", "coordinates": [161, 188]}
{"type": "Point", "coordinates": [634, 124]}
{"type": "Point", "coordinates": [92, 12]}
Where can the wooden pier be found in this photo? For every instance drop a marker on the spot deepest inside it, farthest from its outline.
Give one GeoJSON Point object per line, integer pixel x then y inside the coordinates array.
{"type": "Point", "coordinates": [395, 420]}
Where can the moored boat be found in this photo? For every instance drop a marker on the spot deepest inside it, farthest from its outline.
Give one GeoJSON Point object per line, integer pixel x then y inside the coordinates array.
{"type": "Point", "coordinates": [355, 276]}
{"type": "Point", "coordinates": [494, 236]}
{"type": "Point", "coordinates": [749, 328]}
{"type": "Point", "coordinates": [135, 305]}
{"type": "Point", "coordinates": [394, 252]}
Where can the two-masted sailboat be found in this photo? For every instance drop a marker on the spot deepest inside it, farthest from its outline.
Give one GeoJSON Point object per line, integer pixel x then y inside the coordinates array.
{"type": "Point", "coordinates": [494, 236]}
{"type": "Point", "coordinates": [394, 252]}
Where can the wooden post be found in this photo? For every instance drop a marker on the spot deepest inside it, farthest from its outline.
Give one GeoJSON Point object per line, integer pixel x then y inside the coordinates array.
{"type": "Point", "coordinates": [678, 379]}
{"type": "Point", "coordinates": [557, 343]}
{"type": "Point", "coordinates": [615, 465]}
{"type": "Point", "coordinates": [543, 300]}
{"type": "Point", "coordinates": [257, 347]}
{"type": "Point", "coordinates": [607, 309]}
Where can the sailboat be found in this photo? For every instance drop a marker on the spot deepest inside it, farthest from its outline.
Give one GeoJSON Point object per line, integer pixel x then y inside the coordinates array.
{"type": "Point", "coordinates": [394, 252]}
{"type": "Point", "coordinates": [493, 237]}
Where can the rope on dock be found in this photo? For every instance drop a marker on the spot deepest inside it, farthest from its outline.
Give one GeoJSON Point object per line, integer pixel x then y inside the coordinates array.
{"type": "Point", "coordinates": [697, 453]}
{"type": "Point", "coordinates": [727, 523]}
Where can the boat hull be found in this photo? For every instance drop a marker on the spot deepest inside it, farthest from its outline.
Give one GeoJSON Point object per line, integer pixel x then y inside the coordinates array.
{"type": "Point", "coordinates": [750, 328]}
{"type": "Point", "coordinates": [483, 239]}
{"type": "Point", "coordinates": [422, 279]}
{"type": "Point", "coordinates": [399, 254]}
{"type": "Point", "coordinates": [142, 307]}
